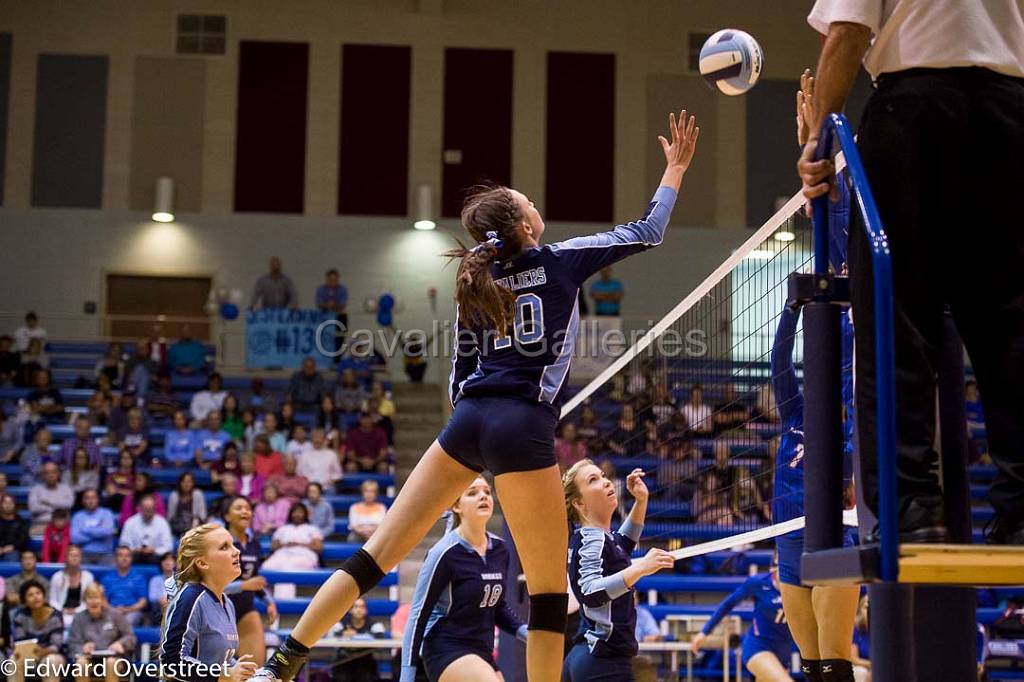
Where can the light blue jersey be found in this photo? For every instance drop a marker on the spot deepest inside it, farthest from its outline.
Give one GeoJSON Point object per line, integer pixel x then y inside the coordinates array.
{"type": "Point", "coordinates": [199, 629]}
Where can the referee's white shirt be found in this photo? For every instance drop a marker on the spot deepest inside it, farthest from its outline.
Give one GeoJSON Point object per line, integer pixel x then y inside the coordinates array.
{"type": "Point", "coordinates": [932, 33]}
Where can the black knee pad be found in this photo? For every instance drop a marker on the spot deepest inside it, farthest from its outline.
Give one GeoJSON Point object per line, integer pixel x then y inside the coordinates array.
{"type": "Point", "coordinates": [836, 670]}
{"type": "Point", "coordinates": [811, 670]}
{"type": "Point", "coordinates": [364, 570]}
{"type": "Point", "coordinates": [549, 612]}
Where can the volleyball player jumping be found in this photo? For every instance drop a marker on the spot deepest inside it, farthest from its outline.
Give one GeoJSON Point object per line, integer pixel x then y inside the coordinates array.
{"type": "Point", "coordinates": [516, 321]}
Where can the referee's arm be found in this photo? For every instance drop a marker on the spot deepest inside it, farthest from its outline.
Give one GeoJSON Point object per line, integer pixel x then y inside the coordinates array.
{"type": "Point", "coordinates": [840, 59]}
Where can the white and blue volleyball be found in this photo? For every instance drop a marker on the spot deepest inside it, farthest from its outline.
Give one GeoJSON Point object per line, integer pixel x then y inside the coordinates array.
{"type": "Point", "coordinates": [731, 60]}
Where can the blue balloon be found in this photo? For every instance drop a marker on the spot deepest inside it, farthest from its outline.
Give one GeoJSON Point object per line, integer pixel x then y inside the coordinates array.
{"type": "Point", "coordinates": [387, 302]}
{"type": "Point", "coordinates": [384, 318]}
{"type": "Point", "coordinates": [228, 310]}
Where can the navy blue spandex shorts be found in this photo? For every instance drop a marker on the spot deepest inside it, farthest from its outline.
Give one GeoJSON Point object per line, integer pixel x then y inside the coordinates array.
{"type": "Point", "coordinates": [501, 435]}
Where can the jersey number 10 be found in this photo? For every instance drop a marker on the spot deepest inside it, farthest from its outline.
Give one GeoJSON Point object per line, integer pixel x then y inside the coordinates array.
{"type": "Point", "coordinates": [529, 323]}
{"type": "Point", "coordinates": [492, 593]}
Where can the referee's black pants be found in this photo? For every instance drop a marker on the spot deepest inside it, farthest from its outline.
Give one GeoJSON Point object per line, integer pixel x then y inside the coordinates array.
{"type": "Point", "coordinates": [943, 150]}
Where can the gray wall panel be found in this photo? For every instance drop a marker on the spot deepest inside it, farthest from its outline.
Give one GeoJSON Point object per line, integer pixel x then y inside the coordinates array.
{"type": "Point", "coordinates": [5, 94]}
{"type": "Point", "coordinates": [772, 150]}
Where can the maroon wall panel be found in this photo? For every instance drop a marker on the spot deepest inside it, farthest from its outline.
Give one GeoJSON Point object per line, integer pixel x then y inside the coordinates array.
{"type": "Point", "coordinates": [373, 165]}
{"type": "Point", "coordinates": [270, 153]}
{"type": "Point", "coordinates": [580, 167]}
{"type": "Point", "coordinates": [477, 122]}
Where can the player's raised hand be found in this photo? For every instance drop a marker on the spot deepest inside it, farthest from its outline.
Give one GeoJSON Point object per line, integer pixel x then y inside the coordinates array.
{"type": "Point", "coordinates": [684, 133]}
{"type": "Point", "coordinates": [804, 107]}
{"type": "Point", "coordinates": [636, 486]}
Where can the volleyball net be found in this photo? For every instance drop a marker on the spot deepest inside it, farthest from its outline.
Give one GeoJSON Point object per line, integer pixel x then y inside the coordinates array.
{"type": "Point", "coordinates": [692, 402]}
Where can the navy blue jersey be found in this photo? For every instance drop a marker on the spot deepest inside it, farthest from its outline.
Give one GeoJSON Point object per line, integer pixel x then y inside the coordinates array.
{"type": "Point", "coordinates": [250, 559]}
{"type": "Point", "coordinates": [460, 597]}
{"type": "Point", "coordinates": [769, 620]}
{"type": "Point", "coordinates": [788, 499]}
{"type": "Point", "coordinates": [199, 628]}
{"type": "Point", "coordinates": [597, 559]}
{"type": "Point", "coordinates": [533, 362]}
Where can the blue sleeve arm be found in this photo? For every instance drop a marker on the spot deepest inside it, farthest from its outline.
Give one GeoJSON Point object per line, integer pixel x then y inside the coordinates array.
{"type": "Point", "coordinates": [788, 398]}
{"type": "Point", "coordinates": [629, 534]}
{"type": "Point", "coordinates": [596, 587]}
{"type": "Point", "coordinates": [742, 592]}
{"type": "Point", "coordinates": [586, 255]}
{"type": "Point", "coordinates": [433, 579]}
{"type": "Point", "coordinates": [465, 357]}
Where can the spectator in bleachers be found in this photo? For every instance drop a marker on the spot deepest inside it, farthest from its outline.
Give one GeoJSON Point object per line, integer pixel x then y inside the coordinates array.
{"type": "Point", "coordinates": [37, 620]}
{"type": "Point", "coordinates": [82, 439]}
{"type": "Point", "coordinates": [358, 360]}
{"type": "Point", "coordinates": [278, 439]}
{"type": "Point", "coordinates": [860, 649]}
{"type": "Point", "coordinates": [111, 364]}
{"type": "Point", "coordinates": [330, 419]}
{"type": "Point", "coordinates": [120, 482]}
{"type": "Point", "coordinates": [569, 449]}
{"type": "Point", "coordinates": [607, 293]}
{"type": "Point", "coordinates": [698, 415]}
{"type": "Point", "coordinates": [160, 400]}
{"type": "Point", "coordinates": [180, 442]}
{"type": "Point", "coordinates": [748, 503]}
{"type": "Point", "coordinates": [187, 355]}
{"type": "Point", "coordinates": [723, 468]}
{"type": "Point", "coordinates": [297, 544]}
{"type": "Point", "coordinates": [186, 506]}
{"type": "Point", "coordinates": [82, 474]}
{"type": "Point", "coordinates": [366, 447]}
{"type": "Point", "coordinates": [231, 418]}
{"type": "Point", "coordinates": [56, 537]}
{"type": "Point", "coordinates": [711, 504]}
{"type": "Point", "coordinates": [10, 360]}
{"type": "Point", "coordinates": [32, 361]}
{"type": "Point", "coordinates": [349, 394]}
{"type": "Point", "coordinates": [299, 445]}
{"type": "Point", "coordinates": [274, 289]}
{"type": "Point", "coordinates": [290, 483]}
{"type": "Point", "coordinates": [619, 391]}
{"type": "Point", "coordinates": [372, 407]}
{"type": "Point", "coordinates": [627, 438]}
{"type": "Point", "coordinates": [286, 420]}
{"type": "Point", "coordinates": [133, 436]}
{"type": "Point", "coordinates": [319, 463]}
{"type": "Point", "coordinates": [765, 411]}
{"type": "Point", "coordinates": [118, 418]}
{"type": "Point", "coordinates": [332, 298]}
{"type": "Point", "coordinates": [663, 406]}
{"type": "Point", "coordinates": [356, 664]}
{"type": "Point", "coordinates": [44, 399]}
{"type": "Point", "coordinates": [678, 428]}
{"type": "Point", "coordinates": [250, 482]}
{"type": "Point", "coordinates": [140, 368]}
{"type": "Point", "coordinates": [34, 455]}
{"type": "Point", "coordinates": [47, 496]}
{"type": "Point", "coordinates": [677, 477]}
{"type": "Point", "coordinates": [100, 628]}
{"type": "Point", "coordinates": [414, 356]}
{"type": "Point", "coordinates": [93, 529]}
{"type": "Point", "coordinates": [259, 399]}
{"type": "Point", "coordinates": [230, 463]}
{"type": "Point", "coordinates": [11, 438]}
{"type": "Point", "coordinates": [210, 399]}
{"type": "Point", "coordinates": [732, 413]}
{"type": "Point", "coordinates": [157, 590]}
{"type": "Point", "coordinates": [269, 462]}
{"type": "Point", "coordinates": [13, 530]}
{"type": "Point", "coordinates": [210, 441]}
{"type": "Point", "coordinates": [100, 402]}
{"type": "Point", "coordinates": [68, 585]}
{"type": "Point", "coordinates": [228, 490]}
{"type": "Point", "coordinates": [3, 484]}
{"type": "Point", "coordinates": [272, 511]}
{"type": "Point", "coordinates": [146, 534]}
{"type": "Point", "coordinates": [321, 513]}
{"type": "Point", "coordinates": [975, 414]}
{"type": "Point", "coordinates": [588, 427]}
{"type": "Point", "coordinates": [366, 515]}
{"type": "Point", "coordinates": [28, 331]}
{"type": "Point", "coordinates": [126, 587]}
{"type": "Point", "coordinates": [306, 386]}
{"type": "Point", "coordinates": [652, 436]}
{"type": "Point", "coordinates": [251, 428]}
{"type": "Point", "coordinates": [142, 487]}
{"type": "Point", "coordinates": [28, 573]}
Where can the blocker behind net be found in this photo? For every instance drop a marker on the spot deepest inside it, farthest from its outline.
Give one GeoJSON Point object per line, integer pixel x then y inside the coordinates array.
{"type": "Point", "coordinates": [692, 402]}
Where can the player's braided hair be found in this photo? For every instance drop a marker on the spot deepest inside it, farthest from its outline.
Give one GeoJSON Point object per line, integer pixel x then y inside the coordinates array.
{"type": "Point", "coordinates": [481, 301]}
